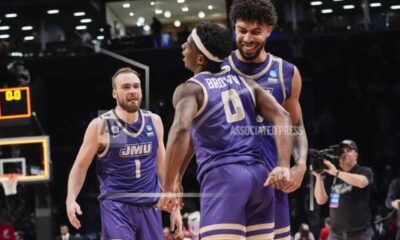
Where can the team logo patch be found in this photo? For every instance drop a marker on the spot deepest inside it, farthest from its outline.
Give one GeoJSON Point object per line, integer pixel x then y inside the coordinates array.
{"type": "Point", "coordinates": [273, 74]}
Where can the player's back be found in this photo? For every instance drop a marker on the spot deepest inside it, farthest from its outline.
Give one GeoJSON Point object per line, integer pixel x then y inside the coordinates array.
{"type": "Point", "coordinates": [223, 129]}
{"type": "Point", "coordinates": [127, 167]}
{"type": "Point", "coordinates": [275, 75]}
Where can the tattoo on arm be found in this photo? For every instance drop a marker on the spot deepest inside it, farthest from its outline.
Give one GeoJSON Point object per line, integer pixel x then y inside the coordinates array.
{"type": "Point", "coordinates": [300, 143]}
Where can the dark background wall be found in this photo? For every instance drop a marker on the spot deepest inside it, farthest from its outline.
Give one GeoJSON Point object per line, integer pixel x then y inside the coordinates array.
{"type": "Point", "coordinates": [351, 90]}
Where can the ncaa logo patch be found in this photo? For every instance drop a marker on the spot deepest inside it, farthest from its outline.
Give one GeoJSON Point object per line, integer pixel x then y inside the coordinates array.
{"type": "Point", "coordinates": [115, 130]}
{"type": "Point", "coordinates": [273, 74]}
{"type": "Point", "coordinates": [149, 131]}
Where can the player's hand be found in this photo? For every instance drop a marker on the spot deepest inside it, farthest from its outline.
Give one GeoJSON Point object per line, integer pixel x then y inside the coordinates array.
{"type": "Point", "coordinates": [278, 178]}
{"type": "Point", "coordinates": [330, 168]}
{"type": "Point", "coordinates": [73, 208]}
{"type": "Point", "coordinates": [168, 201]}
{"type": "Point", "coordinates": [297, 174]}
{"type": "Point", "coordinates": [177, 224]}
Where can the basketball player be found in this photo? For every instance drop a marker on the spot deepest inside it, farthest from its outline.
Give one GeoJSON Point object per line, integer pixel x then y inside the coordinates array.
{"type": "Point", "coordinates": [217, 110]}
{"type": "Point", "coordinates": [131, 156]}
{"type": "Point", "coordinates": [254, 21]}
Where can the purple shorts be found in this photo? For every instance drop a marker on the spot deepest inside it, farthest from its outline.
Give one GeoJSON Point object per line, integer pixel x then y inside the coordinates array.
{"type": "Point", "coordinates": [122, 221]}
{"type": "Point", "coordinates": [282, 218]}
{"type": "Point", "coordinates": [234, 202]}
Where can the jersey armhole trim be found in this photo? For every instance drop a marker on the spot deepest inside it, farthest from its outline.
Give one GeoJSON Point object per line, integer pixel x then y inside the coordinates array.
{"type": "Point", "coordinates": [205, 100]}
{"type": "Point", "coordinates": [103, 153]}
{"type": "Point", "coordinates": [283, 87]}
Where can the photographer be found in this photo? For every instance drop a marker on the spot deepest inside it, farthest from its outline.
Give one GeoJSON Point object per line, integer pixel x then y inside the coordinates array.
{"type": "Point", "coordinates": [393, 201]}
{"type": "Point", "coordinates": [349, 195]}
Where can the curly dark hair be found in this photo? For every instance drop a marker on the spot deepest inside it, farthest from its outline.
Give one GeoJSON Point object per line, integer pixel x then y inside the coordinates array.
{"type": "Point", "coordinates": [217, 40]}
{"type": "Point", "coordinates": [260, 11]}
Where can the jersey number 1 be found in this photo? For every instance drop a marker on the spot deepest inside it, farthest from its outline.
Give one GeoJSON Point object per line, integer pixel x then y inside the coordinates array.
{"type": "Point", "coordinates": [137, 165]}
{"type": "Point", "coordinates": [232, 96]}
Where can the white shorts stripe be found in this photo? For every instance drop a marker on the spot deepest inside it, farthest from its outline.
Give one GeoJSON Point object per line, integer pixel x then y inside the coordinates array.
{"type": "Point", "coordinates": [282, 230]}
{"type": "Point", "coordinates": [267, 236]}
{"type": "Point", "coordinates": [260, 227]}
{"type": "Point", "coordinates": [224, 237]}
{"type": "Point", "coordinates": [223, 226]}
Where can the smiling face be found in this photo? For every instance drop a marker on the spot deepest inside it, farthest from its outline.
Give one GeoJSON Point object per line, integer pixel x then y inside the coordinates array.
{"type": "Point", "coordinates": [250, 40]}
{"type": "Point", "coordinates": [128, 92]}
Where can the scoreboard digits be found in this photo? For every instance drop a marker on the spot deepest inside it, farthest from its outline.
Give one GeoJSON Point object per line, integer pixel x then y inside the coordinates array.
{"type": "Point", "coordinates": [15, 103]}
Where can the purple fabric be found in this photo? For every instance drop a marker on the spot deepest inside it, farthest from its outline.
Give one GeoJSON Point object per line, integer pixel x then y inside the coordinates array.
{"type": "Point", "coordinates": [234, 194]}
{"type": "Point", "coordinates": [128, 222]}
{"type": "Point", "coordinates": [282, 217]}
{"type": "Point", "coordinates": [216, 140]}
{"type": "Point", "coordinates": [127, 156]}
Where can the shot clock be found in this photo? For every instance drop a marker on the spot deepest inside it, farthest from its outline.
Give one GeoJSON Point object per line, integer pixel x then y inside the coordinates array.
{"type": "Point", "coordinates": [15, 103]}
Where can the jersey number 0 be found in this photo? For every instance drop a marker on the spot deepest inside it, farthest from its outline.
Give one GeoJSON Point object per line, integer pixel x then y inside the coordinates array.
{"type": "Point", "coordinates": [232, 96]}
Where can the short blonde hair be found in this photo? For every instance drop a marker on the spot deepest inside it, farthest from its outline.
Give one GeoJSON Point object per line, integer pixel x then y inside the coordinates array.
{"type": "Point", "coordinates": [120, 71]}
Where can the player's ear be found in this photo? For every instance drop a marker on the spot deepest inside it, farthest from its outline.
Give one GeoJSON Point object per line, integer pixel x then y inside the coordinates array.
{"type": "Point", "coordinates": [200, 59]}
{"type": "Point", "coordinates": [114, 93]}
{"type": "Point", "coordinates": [269, 30]}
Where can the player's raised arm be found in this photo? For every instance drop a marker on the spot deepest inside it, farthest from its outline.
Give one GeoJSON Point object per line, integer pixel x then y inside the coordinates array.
{"type": "Point", "coordinates": [186, 98]}
{"type": "Point", "coordinates": [300, 142]}
{"type": "Point", "coordinates": [272, 111]}
{"type": "Point", "coordinates": [87, 151]}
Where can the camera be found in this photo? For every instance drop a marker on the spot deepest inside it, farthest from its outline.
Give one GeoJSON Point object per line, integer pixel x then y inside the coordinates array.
{"type": "Point", "coordinates": [317, 157]}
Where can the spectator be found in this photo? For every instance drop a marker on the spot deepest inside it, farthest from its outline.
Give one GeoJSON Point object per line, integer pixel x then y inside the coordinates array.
{"type": "Point", "coordinates": [349, 195]}
{"type": "Point", "coordinates": [64, 234]}
{"type": "Point", "coordinates": [324, 233]}
{"type": "Point", "coordinates": [304, 233]}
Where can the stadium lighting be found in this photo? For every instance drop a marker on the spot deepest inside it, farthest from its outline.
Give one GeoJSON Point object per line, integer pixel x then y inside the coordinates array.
{"type": "Point", "coordinates": [126, 5]}
{"type": "Point", "coordinates": [167, 14]}
{"type": "Point", "coordinates": [315, 3]}
{"type": "Point", "coordinates": [177, 23]}
{"type": "Point", "coordinates": [26, 28]}
{"type": "Point", "coordinates": [79, 14]}
{"type": "Point", "coordinates": [81, 27]}
{"type": "Point", "coordinates": [4, 36]}
{"type": "Point", "coordinates": [395, 7]}
{"type": "Point", "coordinates": [4, 28]}
{"type": "Point", "coordinates": [326, 11]}
{"type": "Point", "coordinates": [53, 11]}
{"type": "Point", "coordinates": [11, 15]}
{"type": "Point", "coordinates": [375, 4]}
{"type": "Point", "coordinates": [348, 7]}
{"type": "Point", "coordinates": [28, 38]}
{"type": "Point", "coordinates": [201, 14]}
{"type": "Point", "coordinates": [86, 20]}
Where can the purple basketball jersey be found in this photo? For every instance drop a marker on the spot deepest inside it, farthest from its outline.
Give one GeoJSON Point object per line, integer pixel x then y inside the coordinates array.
{"type": "Point", "coordinates": [274, 75]}
{"type": "Point", "coordinates": [221, 131]}
{"type": "Point", "coordinates": [127, 167]}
